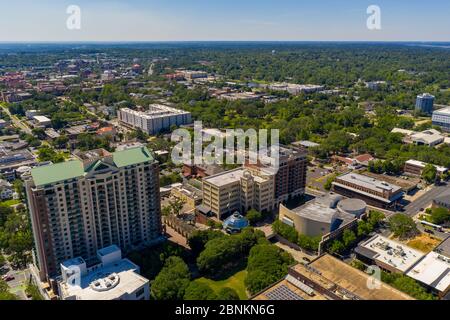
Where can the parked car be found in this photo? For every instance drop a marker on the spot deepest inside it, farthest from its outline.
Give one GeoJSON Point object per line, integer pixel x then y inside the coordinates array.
{"type": "Point", "coordinates": [8, 278]}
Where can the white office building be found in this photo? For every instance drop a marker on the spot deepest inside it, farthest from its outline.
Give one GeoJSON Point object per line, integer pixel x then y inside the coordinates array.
{"type": "Point", "coordinates": [157, 118]}
{"type": "Point", "coordinates": [441, 118]}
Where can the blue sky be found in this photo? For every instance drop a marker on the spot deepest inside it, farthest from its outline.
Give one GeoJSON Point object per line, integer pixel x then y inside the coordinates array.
{"type": "Point", "coordinates": [171, 20]}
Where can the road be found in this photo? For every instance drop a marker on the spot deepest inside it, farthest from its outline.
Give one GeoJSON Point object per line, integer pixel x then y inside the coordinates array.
{"type": "Point", "coordinates": [16, 122]}
{"type": "Point", "coordinates": [19, 284]}
{"type": "Point", "coordinates": [424, 201]}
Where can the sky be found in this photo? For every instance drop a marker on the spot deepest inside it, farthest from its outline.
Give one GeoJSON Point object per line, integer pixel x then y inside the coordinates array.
{"type": "Point", "coordinates": [224, 20]}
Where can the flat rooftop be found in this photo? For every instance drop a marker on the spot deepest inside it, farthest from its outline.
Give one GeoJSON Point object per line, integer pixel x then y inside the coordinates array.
{"type": "Point", "coordinates": [322, 209]}
{"type": "Point", "coordinates": [433, 270]}
{"type": "Point", "coordinates": [421, 164]}
{"type": "Point", "coordinates": [444, 247]}
{"type": "Point", "coordinates": [369, 183]}
{"type": "Point", "coordinates": [230, 177]}
{"type": "Point", "coordinates": [121, 276]}
{"type": "Point", "coordinates": [286, 290]}
{"type": "Point", "coordinates": [445, 111]}
{"type": "Point", "coordinates": [354, 280]}
{"type": "Point", "coordinates": [156, 111]}
{"type": "Point", "coordinates": [389, 252]}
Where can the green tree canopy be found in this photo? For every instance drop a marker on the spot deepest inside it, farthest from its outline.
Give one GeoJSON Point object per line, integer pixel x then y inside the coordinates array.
{"type": "Point", "coordinates": [172, 281]}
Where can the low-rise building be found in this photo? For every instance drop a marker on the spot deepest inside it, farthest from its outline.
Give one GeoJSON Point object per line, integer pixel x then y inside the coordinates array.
{"type": "Point", "coordinates": [441, 118]}
{"type": "Point", "coordinates": [188, 193]}
{"type": "Point", "coordinates": [322, 215]}
{"type": "Point", "coordinates": [3, 124]}
{"type": "Point", "coordinates": [429, 138]}
{"type": "Point", "coordinates": [388, 254]}
{"type": "Point", "coordinates": [6, 190]}
{"type": "Point", "coordinates": [328, 278]}
{"type": "Point", "coordinates": [372, 191]}
{"type": "Point", "coordinates": [42, 121]}
{"type": "Point", "coordinates": [433, 272]}
{"type": "Point", "coordinates": [111, 278]}
{"type": "Point", "coordinates": [416, 167]}
{"type": "Point", "coordinates": [442, 200]}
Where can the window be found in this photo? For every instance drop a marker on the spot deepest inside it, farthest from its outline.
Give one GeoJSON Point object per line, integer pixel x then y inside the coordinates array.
{"type": "Point", "coordinates": [140, 292]}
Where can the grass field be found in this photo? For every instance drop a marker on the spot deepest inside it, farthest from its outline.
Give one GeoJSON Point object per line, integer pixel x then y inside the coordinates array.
{"type": "Point", "coordinates": [9, 203]}
{"type": "Point", "coordinates": [235, 282]}
{"type": "Point", "coordinates": [424, 243]}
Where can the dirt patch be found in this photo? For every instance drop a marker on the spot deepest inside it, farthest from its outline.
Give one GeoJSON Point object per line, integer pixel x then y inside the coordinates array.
{"type": "Point", "coordinates": [424, 243]}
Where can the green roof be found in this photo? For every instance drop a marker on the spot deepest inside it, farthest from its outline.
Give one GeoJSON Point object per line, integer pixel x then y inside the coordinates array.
{"type": "Point", "coordinates": [132, 156]}
{"type": "Point", "coordinates": [57, 172]}
{"type": "Point", "coordinates": [73, 169]}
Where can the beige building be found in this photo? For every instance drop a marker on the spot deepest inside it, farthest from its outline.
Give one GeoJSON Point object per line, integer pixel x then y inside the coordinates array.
{"type": "Point", "coordinates": [100, 199]}
{"type": "Point", "coordinates": [322, 215]}
{"type": "Point", "coordinates": [239, 190]}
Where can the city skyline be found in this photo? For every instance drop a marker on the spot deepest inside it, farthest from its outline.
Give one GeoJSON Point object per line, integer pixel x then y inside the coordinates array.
{"type": "Point", "coordinates": [176, 20]}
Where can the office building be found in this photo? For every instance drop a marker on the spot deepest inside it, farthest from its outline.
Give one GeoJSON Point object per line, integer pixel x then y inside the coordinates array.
{"type": "Point", "coordinates": [98, 200]}
{"type": "Point", "coordinates": [443, 200]}
{"type": "Point", "coordinates": [389, 255]}
{"type": "Point", "coordinates": [430, 138]}
{"type": "Point", "coordinates": [416, 167]}
{"type": "Point", "coordinates": [441, 118]}
{"type": "Point", "coordinates": [328, 278]}
{"type": "Point", "coordinates": [322, 215]}
{"type": "Point", "coordinates": [112, 278]}
{"type": "Point", "coordinates": [433, 272]}
{"type": "Point", "coordinates": [154, 120]}
{"type": "Point", "coordinates": [425, 103]}
{"type": "Point", "coordinates": [238, 190]}
{"type": "Point", "coordinates": [290, 177]}
{"type": "Point", "coordinates": [374, 192]}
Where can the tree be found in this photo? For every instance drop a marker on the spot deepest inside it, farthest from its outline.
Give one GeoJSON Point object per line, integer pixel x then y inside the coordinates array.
{"type": "Point", "coordinates": [4, 292]}
{"type": "Point", "coordinates": [61, 142]}
{"type": "Point", "coordinates": [254, 216]}
{"type": "Point", "coordinates": [227, 294]}
{"type": "Point", "coordinates": [199, 238]}
{"type": "Point", "coordinates": [199, 291]}
{"type": "Point", "coordinates": [176, 205]}
{"type": "Point", "coordinates": [375, 218]}
{"type": "Point", "coordinates": [172, 281]}
{"type": "Point", "coordinates": [406, 285]}
{"type": "Point", "coordinates": [402, 226]}
{"type": "Point", "coordinates": [49, 154]}
{"type": "Point", "coordinates": [440, 216]}
{"type": "Point", "coordinates": [287, 232]}
{"type": "Point", "coordinates": [337, 247]}
{"type": "Point", "coordinates": [266, 265]}
{"type": "Point", "coordinates": [348, 238]}
{"type": "Point", "coordinates": [429, 173]}
{"type": "Point", "coordinates": [33, 291]}
{"type": "Point", "coordinates": [364, 228]}
{"type": "Point", "coordinates": [329, 183]}
{"type": "Point", "coordinates": [223, 254]}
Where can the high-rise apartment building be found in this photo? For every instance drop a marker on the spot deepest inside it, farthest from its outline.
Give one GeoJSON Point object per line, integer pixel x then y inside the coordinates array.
{"type": "Point", "coordinates": [425, 103]}
{"type": "Point", "coordinates": [100, 199]}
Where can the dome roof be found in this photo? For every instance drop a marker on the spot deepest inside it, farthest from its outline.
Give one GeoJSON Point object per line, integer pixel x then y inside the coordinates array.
{"type": "Point", "coordinates": [236, 222]}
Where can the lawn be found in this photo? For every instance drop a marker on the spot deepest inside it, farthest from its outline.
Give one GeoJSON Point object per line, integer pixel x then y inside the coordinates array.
{"type": "Point", "coordinates": [235, 282]}
{"type": "Point", "coordinates": [424, 243]}
{"type": "Point", "coordinates": [9, 203]}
